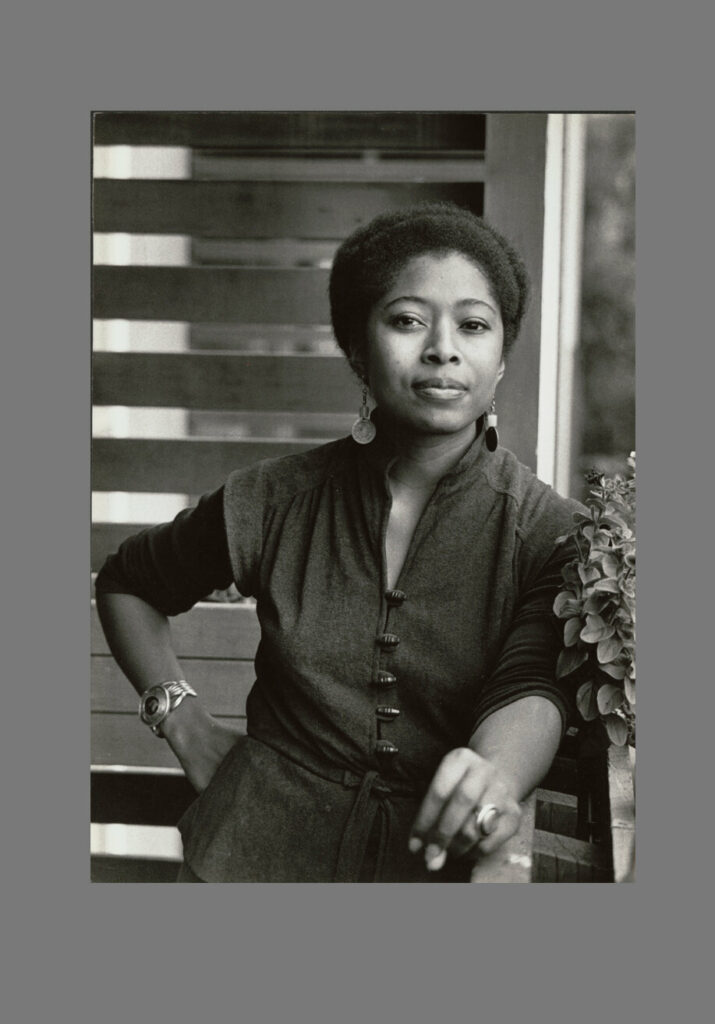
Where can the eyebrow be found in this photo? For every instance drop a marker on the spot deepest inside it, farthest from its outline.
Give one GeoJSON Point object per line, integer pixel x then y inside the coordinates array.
{"type": "Point", "coordinates": [424, 302]}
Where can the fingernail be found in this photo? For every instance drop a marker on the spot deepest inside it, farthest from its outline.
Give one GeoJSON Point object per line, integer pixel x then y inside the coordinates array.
{"type": "Point", "coordinates": [414, 845]}
{"type": "Point", "coordinates": [435, 857]}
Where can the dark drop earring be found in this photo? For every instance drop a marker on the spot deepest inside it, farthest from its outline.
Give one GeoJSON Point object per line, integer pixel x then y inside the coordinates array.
{"type": "Point", "coordinates": [491, 437]}
{"type": "Point", "coordinates": [363, 429]}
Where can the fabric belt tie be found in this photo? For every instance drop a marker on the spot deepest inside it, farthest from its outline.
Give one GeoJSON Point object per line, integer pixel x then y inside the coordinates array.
{"type": "Point", "coordinates": [360, 822]}
{"type": "Point", "coordinates": [362, 817]}
{"type": "Point", "coordinates": [353, 844]}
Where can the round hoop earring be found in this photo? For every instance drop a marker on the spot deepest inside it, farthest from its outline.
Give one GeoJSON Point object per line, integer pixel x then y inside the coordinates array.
{"type": "Point", "coordinates": [363, 429]}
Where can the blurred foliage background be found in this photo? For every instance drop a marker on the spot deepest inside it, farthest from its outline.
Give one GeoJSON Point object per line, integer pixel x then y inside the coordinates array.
{"type": "Point", "coordinates": [605, 413]}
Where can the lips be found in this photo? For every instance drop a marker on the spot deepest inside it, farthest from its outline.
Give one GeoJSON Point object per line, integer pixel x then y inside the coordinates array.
{"type": "Point", "coordinates": [439, 389]}
{"type": "Point", "coordinates": [439, 383]}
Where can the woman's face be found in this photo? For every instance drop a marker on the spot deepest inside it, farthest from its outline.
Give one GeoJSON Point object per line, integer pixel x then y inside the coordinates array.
{"type": "Point", "coordinates": [434, 345]}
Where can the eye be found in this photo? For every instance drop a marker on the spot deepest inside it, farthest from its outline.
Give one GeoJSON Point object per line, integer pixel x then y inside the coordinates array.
{"type": "Point", "coordinates": [406, 321]}
{"type": "Point", "coordinates": [474, 326]}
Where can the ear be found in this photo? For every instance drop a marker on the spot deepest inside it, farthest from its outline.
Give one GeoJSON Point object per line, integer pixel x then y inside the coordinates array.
{"type": "Point", "coordinates": [357, 365]}
{"type": "Point", "coordinates": [500, 372]}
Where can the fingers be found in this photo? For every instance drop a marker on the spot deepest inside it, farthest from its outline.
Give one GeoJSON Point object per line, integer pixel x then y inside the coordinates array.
{"type": "Point", "coordinates": [451, 770]}
{"type": "Point", "coordinates": [446, 819]}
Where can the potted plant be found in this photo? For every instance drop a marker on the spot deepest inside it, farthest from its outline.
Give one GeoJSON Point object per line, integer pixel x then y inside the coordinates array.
{"type": "Point", "coordinates": [597, 602]}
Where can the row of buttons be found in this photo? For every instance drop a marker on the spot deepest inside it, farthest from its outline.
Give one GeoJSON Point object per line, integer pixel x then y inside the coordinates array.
{"type": "Point", "coordinates": [385, 712]}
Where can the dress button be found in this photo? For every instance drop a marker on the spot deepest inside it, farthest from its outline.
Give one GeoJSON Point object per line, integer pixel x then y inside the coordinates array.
{"type": "Point", "coordinates": [395, 597]}
{"type": "Point", "coordinates": [385, 713]}
{"type": "Point", "coordinates": [384, 678]}
{"type": "Point", "coordinates": [386, 748]}
{"type": "Point", "coordinates": [388, 640]}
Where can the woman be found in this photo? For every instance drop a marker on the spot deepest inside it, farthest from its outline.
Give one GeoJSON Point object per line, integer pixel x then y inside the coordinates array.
{"type": "Point", "coordinates": [405, 700]}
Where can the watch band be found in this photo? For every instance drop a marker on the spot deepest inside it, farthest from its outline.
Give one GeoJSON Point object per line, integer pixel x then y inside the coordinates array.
{"type": "Point", "coordinates": [159, 701]}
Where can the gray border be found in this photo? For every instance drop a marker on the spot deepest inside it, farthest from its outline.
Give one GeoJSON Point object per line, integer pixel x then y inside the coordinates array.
{"type": "Point", "coordinates": [103, 952]}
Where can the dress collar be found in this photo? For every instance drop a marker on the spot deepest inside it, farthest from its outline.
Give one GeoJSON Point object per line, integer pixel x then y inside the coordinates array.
{"type": "Point", "coordinates": [381, 453]}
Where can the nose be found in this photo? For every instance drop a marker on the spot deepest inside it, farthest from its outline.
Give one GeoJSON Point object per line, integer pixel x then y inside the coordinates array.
{"type": "Point", "coordinates": [440, 347]}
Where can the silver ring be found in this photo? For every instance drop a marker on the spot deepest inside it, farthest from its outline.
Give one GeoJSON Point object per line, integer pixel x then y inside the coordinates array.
{"type": "Point", "coordinates": [485, 819]}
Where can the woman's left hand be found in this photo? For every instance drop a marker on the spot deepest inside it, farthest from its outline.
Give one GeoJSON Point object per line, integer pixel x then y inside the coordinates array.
{"type": "Point", "coordinates": [446, 821]}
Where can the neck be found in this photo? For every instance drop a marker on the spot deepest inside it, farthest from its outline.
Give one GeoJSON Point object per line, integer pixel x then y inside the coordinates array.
{"type": "Point", "coordinates": [422, 460]}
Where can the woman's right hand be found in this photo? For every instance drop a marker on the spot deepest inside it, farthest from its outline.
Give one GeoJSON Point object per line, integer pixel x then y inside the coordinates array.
{"type": "Point", "coordinates": [199, 741]}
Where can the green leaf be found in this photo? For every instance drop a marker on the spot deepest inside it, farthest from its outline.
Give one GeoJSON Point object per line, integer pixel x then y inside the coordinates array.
{"type": "Point", "coordinates": [570, 573]}
{"type": "Point", "coordinates": [601, 540]}
{"type": "Point", "coordinates": [609, 698]}
{"type": "Point", "coordinates": [596, 629]}
{"type": "Point", "coordinates": [629, 688]}
{"type": "Point", "coordinates": [616, 728]}
{"type": "Point", "coordinates": [610, 566]}
{"type": "Point", "coordinates": [571, 631]}
{"type": "Point", "coordinates": [569, 660]}
{"type": "Point", "coordinates": [608, 649]}
{"type": "Point", "coordinates": [595, 603]}
{"type": "Point", "coordinates": [614, 670]}
{"type": "Point", "coordinates": [586, 701]}
{"type": "Point", "coordinates": [588, 573]}
{"type": "Point", "coordinates": [566, 605]}
{"type": "Point", "coordinates": [609, 586]}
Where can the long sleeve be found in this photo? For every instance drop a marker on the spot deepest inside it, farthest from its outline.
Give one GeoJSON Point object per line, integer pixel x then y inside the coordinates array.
{"type": "Point", "coordinates": [176, 564]}
{"type": "Point", "coordinates": [527, 663]}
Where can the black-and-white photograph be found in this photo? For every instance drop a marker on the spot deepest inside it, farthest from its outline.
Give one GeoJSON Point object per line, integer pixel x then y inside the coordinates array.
{"type": "Point", "coordinates": [363, 496]}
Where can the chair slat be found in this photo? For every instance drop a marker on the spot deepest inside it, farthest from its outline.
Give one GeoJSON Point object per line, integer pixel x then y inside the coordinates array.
{"type": "Point", "coordinates": [560, 858]}
{"type": "Point", "coordinates": [222, 684]}
{"type": "Point", "coordinates": [124, 739]}
{"type": "Point", "coordinates": [106, 538]}
{"type": "Point", "coordinates": [217, 165]}
{"type": "Point", "coordinates": [223, 631]}
{"type": "Point", "coordinates": [259, 209]}
{"type": "Point", "coordinates": [223, 380]}
{"type": "Point", "coordinates": [359, 130]}
{"type": "Point", "coordinates": [211, 294]}
{"type": "Point", "coordinates": [182, 466]}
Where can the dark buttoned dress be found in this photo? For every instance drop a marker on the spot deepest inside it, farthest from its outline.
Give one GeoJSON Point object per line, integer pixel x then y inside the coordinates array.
{"type": "Point", "coordinates": [360, 690]}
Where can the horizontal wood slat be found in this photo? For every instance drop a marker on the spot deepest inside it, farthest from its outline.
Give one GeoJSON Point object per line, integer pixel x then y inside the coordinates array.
{"type": "Point", "coordinates": [222, 684]}
{"type": "Point", "coordinates": [226, 380]}
{"type": "Point", "coordinates": [155, 842]}
{"type": "Point", "coordinates": [212, 294]}
{"type": "Point", "coordinates": [276, 129]}
{"type": "Point", "coordinates": [221, 631]}
{"type": "Point", "coordinates": [106, 538]}
{"type": "Point", "coordinates": [259, 209]}
{"type": "Point", "coordinates": [222, 166]}
{"type": "Point", "coordinates": [124, 739]}
{"type": "Point", "coordinates": [179, 467]}
{"type": "Point", "coordinates": [262, 252]}
{"type": "Point", "coordinates": [556, 812]}
{"type": "Point", "coordinates": [139, 798]}
{"type": "Point", "coordinates": [132, 869]}
{"type": "Point", "coordinates": [565, 859]}
{"type": "Point", "coordinates": [263, 338]}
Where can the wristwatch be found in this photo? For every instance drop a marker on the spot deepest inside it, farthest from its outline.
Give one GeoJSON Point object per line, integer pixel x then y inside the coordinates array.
{"type": "Point", "coordinates": [159, 701]}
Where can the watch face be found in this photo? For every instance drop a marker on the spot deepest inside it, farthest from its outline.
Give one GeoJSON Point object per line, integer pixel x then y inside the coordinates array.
{"type": "Point", "coordinates": [154, 705]}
